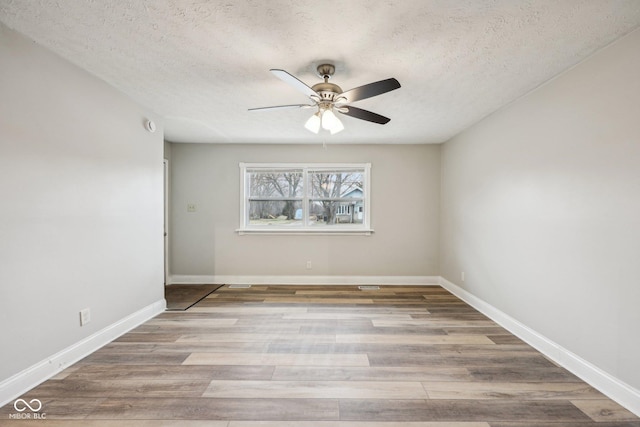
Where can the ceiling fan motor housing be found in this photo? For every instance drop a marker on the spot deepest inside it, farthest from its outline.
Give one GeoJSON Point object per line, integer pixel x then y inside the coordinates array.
{"type": "Point", "coordinates": [327, 91]}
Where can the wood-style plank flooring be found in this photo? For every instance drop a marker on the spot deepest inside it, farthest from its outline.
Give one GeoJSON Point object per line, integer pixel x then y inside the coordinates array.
{"type": "Point", "coordinates": [301, 356]}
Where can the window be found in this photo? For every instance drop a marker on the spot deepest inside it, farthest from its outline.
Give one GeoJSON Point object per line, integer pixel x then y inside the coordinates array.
{"type": "Point", "coordinates": [305, 198]}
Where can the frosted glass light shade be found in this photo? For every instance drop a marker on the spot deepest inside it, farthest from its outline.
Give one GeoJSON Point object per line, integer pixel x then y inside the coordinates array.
{"type": "Point", "coordinates": [313, 124]}
{"type": "Point", "coordinates": [328, 119]}
{"type": "Point", "coordinates": [337, 126]}
{"type": "Point", "coordinates": [331, 123]}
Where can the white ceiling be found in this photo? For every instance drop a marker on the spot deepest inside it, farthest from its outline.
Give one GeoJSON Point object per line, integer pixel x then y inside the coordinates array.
{"type": "Point", "coordinates": [202, 63]}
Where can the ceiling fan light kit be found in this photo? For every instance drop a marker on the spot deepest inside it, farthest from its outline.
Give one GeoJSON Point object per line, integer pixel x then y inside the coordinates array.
{"type": "Point", "coordinates": [329, 97]}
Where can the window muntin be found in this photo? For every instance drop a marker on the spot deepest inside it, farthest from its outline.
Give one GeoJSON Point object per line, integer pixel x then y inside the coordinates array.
{"type": "Point", "coordinates": [305, 198]}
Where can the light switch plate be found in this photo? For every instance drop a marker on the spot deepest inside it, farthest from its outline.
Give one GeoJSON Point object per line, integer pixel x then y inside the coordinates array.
{"type": "Point", "coordinates": [85, 316]}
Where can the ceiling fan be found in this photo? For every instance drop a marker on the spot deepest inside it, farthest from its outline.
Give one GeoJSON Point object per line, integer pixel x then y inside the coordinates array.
{"type": "Point", "coordinates": [328, 97]}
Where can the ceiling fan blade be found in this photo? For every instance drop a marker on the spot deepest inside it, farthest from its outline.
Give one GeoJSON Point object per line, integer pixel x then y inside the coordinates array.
{"type": "Point", "coordinates": [282, 107]}
{"type": "Point", "coordinates": [359, 113]}
{"type": "Point", "coordinates": [293, 81]}
{"type": "Point", "coordinates": [371, 89]}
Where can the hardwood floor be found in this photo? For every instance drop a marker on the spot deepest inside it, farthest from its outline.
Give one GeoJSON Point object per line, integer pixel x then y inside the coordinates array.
{"type": "Point", "coordinates": [287, 356]}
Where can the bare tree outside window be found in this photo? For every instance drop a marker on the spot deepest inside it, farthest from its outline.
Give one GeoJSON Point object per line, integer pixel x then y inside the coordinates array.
{"type": "Point", "coordinates": [275, 195]}
{"type": "Point", "coordinates": [332, 190]}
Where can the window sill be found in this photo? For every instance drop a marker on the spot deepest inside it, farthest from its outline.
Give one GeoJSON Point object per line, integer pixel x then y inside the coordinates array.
{"type": "Point", "coordinates": [308, 231]}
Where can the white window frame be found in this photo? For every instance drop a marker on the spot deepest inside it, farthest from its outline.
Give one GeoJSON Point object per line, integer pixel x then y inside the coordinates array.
{"type": "Point", "coordinates": [335, 229]}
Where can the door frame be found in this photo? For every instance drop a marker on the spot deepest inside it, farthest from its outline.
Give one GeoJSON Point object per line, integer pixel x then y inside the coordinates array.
{"type": "Point", "coordinates": [166, 221]}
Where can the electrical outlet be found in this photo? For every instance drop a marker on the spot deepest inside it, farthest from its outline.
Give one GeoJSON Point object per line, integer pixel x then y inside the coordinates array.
{"type": "Point", "coordinates": [462, 276]}
{"type": "Point", "coordinates": [85, 316]}
{"type": "Point", "coordinates": [308, 265]}
{"type": "Point", "coordinates": [191, 207]}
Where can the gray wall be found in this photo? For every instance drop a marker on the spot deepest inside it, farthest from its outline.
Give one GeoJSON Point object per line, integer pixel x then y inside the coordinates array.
{"type": "Point", "coordinates": [541, 210]}
{"type": "Point", "coordinates": [405, 193]}
{"type": "Point", "coordinates": [81, 212]}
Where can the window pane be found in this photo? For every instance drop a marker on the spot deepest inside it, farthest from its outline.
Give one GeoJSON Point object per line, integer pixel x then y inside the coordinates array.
{"type": "Point", "coordinates": [275, 184]}
{"type": "Point", "coordinates": [336, 184]}
{"type": "Point", "coordinates": [328, 212]}
{"type": "Point", "coordinates": [283, 212]}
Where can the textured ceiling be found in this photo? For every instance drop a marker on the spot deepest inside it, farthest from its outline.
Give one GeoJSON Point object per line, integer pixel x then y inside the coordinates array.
{"type": "Point", "coordinates": [202, 64]}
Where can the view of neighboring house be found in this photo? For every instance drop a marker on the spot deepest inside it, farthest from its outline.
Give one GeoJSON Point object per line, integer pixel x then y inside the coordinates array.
{"type": "Point", "coordinates": [353, 210]}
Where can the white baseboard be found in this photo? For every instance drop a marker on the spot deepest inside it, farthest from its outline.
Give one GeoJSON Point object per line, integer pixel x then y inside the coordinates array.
{"type": "Point", "coordinates": [23, 381]}
{"type": "Point", "coordinates": [304, 280]}
{"type": "Point", "coordinates": [615, 389]}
